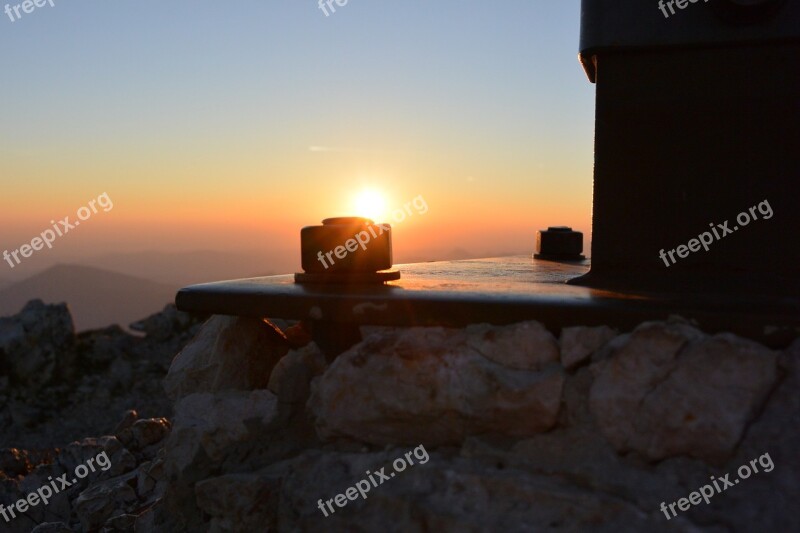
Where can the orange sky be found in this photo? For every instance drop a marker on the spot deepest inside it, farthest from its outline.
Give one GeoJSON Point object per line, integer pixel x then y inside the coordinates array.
{"type": "Point", "coordinates": [221, 130]}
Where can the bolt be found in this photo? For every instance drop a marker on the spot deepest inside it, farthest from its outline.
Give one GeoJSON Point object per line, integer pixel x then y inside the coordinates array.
{"type": "Point", "coordinates": [346, 250]}
{"type": "Point", "coordinates": [559, 243]}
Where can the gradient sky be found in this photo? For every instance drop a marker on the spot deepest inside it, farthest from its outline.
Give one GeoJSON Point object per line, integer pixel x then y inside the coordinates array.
{"type": "Point", "coordinates": [229, 125]}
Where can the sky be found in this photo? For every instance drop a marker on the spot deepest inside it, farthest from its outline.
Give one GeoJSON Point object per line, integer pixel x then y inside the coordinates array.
{"type": "Point", "coordinates": [230, 125]}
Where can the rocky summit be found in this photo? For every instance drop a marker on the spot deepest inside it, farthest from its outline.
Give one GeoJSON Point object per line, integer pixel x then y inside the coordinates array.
{"type": "Point", "coordinates": [237, 424]}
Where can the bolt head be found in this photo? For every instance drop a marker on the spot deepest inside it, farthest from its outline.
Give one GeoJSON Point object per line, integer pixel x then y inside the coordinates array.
{"type": "Point", "coordinates": [559, 243]}
{"type": "Point", "coordinates": [335, 235]}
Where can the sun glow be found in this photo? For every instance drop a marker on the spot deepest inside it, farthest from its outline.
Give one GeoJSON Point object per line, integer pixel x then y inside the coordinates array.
{"type": "Point", "coordinates": [370, 204]}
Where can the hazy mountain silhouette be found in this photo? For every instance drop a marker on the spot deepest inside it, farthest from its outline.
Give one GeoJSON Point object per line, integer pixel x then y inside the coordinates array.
{"type": "Point", "coordinates": [187, 268]}
{"type": "Point", "coordinates": [97, 298]}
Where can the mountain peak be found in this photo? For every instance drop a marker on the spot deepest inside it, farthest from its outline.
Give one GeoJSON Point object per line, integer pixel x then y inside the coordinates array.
{"type": "Point", "coordinates": [97, 297]}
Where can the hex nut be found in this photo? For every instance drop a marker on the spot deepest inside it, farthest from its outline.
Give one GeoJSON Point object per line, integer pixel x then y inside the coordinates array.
{"type": "Point", "coordinates": [346, 250]}
{"type": "Point", "coordinates": [559, 243]}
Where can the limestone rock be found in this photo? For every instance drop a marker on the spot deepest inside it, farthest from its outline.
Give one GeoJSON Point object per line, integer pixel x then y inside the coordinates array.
{"type": "Point", "coordinates": [99, 375]}
{"type": "Point", "coordinates": [107, 346]}
{"type": "Point", "coordinates": [579, 343]}
{"type": "Point", "coordinates": [670, 390]}
{"type": "Point", "coordinates": [150, 476]}
{"type": "Point", "coordinates": [239, 502]}
{"type": "Point", "coordinates": [208, 425]}
{"type": "Point", "coordinates": [291, 378]}
{"type": "Point", "coordinates": [59, 508]}
{"type": "Point", "coordinates": [436, 386]}
{"type": "Point", "coordinates": [445, 494]}
{"type": "Point", "coordinates": [524, 346]}
{"type": "Point", "coordinates": [80, 452]}
{"type": "Point", "coordinates": [103, 500]}
{"type": "Point", "coordinates": [516, 443]}
{"type": "Point", "coordinates": [164, 325]}
{"type": "Point", "coordinates": [128, 418]}
{"type": "Point", "coordinates": [213, 434]}
{"type": "Point", "coordinates": [150, 431]}
{"type": "Point", "coordinates": [229, 353]}
{"type": "Point", "coordinates": [36, 344]}
{"type": "Point", "coordinates": [764, 498]}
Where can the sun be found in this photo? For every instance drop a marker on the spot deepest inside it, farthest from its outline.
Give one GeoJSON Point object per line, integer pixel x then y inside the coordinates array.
{"type": "Point", "coordinates": [371, 204]}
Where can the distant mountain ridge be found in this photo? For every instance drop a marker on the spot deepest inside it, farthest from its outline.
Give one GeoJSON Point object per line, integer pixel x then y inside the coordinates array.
{"type": "Point", "coordinates": [96, 297]}
{"type": "Point", "coordinates": [188, 268]}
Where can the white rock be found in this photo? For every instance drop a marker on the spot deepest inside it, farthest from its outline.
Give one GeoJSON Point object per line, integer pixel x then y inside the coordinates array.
{"type": "Point", "coordinates": [211, 423]}
{"type": "Point", "coordinates": [101, 501]}
{"type": "Point", "coordinates": [579, 343]}
{"type": "Point", "coordinates": [524, 346]}
{"type": "Point", "coordinates": [432, 386]}
{"type": "Point", "coordinates": [229, 353]}
{"type": "Point", "coordinates": [239, 502]}
{"type": "Point", "coordinates": [291, 378]}
{"type": "Point", "coordinates": [149, 431]}
{"type": "Point", "coordinates": [670, 390]}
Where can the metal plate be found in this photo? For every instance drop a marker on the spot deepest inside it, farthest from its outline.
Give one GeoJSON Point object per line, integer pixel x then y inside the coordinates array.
{"type": "Point", "coordinates": [497, 291]}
